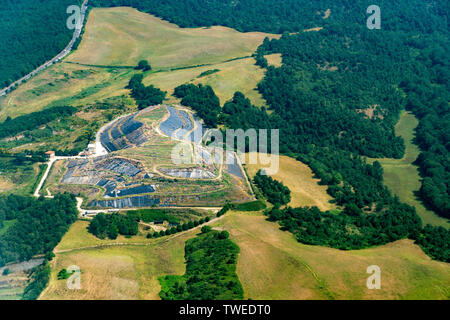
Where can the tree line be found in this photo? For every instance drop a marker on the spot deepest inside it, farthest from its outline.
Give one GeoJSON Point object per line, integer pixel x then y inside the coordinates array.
{"type": "Point", "coordinates": [27, 42]}
{"type": "Point", "coordinates": [111, 225]}
{"type": "Point", "coordinates": [145, 96]}
{"type": "Point", "coordinates": [27, 122]}
{"type": "Point", "coordinates": [275, 192]}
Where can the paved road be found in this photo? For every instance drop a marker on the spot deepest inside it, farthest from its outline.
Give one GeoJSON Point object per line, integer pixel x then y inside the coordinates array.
{"type": "Point", "coordinates": [60, 56]}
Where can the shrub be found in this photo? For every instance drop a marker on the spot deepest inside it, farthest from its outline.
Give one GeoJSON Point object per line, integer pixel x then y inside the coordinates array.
{"type": "Point", "coordinates": [250, 206]}
{"type": "Point", "coordinates": [224, 235]}
{"type": "Point", "coordinates": [173, 230]}
{"type": "Point", "coordinates": [206, 229]}
{"type": "Point", "coordinates": [63, 274]}
{"type": "Point", "coordinates": [143, 65]}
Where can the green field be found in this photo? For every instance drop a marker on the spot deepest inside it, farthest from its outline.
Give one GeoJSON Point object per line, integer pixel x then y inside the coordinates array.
{"type": "Point", "coordinates": [298, 177]}
{"type": "Point", "coordinates": [122, 37]}
{"type": "Point", "coordinates": [274, 59]}
{"type": "Point", "coordinates": [6, 225]}
{"type": "Point", "coordinates": [402, 177]}
{"type": "Point", "coordinates": [18, 178]}
{"type": "Point", "coordinates": [237, 75]}
{"type": "Point", "coordinates": [271, 265]}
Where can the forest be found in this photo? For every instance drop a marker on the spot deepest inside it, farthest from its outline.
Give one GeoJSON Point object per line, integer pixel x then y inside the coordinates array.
{"type": "Point", "coordinates": [211, 260]}
{"type": "Point", "coordinates": [275, 192]}
{"type": "Point", "coordinates": [145, 96]}
{"type": "Point", "coordinates": [39, 225]}
{"type": "Point", "coordinates": [27, 42]}
{"type": "Point", "coordinates": [111, 225]}
{"type": "Point", "coordinates": [33, 120]}
{"type": "Point", "coordinates": [202, 99]}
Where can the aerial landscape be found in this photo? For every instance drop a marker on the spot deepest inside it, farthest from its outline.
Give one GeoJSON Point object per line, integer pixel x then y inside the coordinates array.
{"type": "Point", "coordinates": [224, 150]}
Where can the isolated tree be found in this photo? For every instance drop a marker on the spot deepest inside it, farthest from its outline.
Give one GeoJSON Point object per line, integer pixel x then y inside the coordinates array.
{"type": "Point", "coordinates": [224, 235]}
{"type": "Point", "coordinates": [143, 65]}
{"type": "Point", "coordinates": [206, 229]}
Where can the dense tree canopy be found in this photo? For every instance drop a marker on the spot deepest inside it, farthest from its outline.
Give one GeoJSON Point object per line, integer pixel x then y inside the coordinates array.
{"type": "Point", "coordinates": [202, 99]}
{"type": "Point", "coordinates": [335, 99]}
{"type": "Point", "coordinates": [111, 225]}
{"type": "Point", "coordinates": [143, 65]}
{"type": "Point", "coordinates": [211, 260]}
{"type": "Point", "coordinates": [275, 192]}
{"type": "Point", "coordinates": [145, 96]}
{"type": "Point", "coordinates": [33, 120]}
{"type": "Point", "coordinates": [31, 32]}
{"type": "Point", "coordinates": [39, 225]}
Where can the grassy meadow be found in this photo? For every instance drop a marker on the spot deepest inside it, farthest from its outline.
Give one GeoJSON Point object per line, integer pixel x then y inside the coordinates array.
{"type": "Point", "coordinates": [274, 60]}
{"type": "Point", "coordinates": [123, 36]}
{"type": "Point", "coordinates": [271, 265]}
{"type": "Point", "coordinates": [298, 177]}
{"type": "Point", "coordinates": [401, 176]}
{"type": "Point", "coordinates": [119, 38]}
{"type": "Point", "coordinates": [237, 75]}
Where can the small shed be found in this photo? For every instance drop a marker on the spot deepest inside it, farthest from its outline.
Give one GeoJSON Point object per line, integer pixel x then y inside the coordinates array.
{"type": "Point", "coordinates": [50, 154]}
